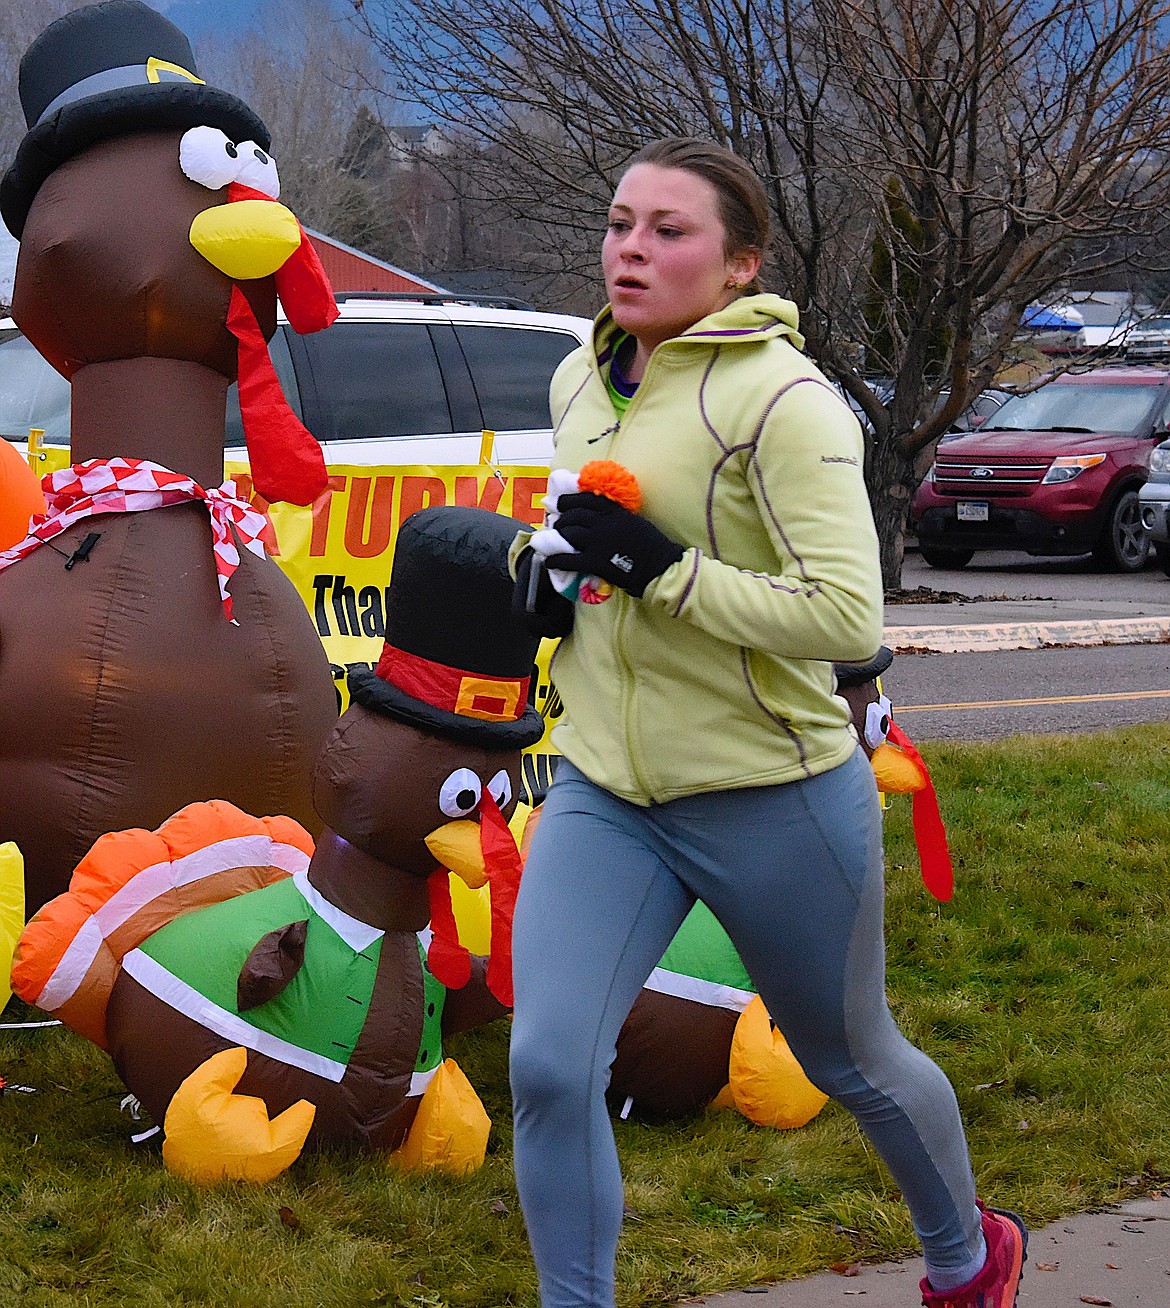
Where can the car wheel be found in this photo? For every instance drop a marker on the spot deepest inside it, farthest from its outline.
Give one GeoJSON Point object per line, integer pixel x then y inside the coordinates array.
{"type": "Point", "coordinates": [1163, 553]}
{"type": "Point", "coordinates": [938, 557]}
{"type": "Point", "coordinates": [1124, 545]}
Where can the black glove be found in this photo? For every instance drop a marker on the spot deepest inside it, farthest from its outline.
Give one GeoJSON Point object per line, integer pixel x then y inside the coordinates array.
{"type": "Point", "coordinates": [536, 602]}
{"type": "Point", "coordinates": [612, 543]}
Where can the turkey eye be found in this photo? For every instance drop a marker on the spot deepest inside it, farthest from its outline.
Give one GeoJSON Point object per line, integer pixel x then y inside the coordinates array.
{"type": "Point", "coordinates": [877, 721]}
{"type": "Point", "coordinates": [459, 794]}
{"type": "Point", "coordinates": [258, 170]}
{"type": "Point", "coordinates": [500, 788]}
{"type": "Point", "coordinates": [207, 157]}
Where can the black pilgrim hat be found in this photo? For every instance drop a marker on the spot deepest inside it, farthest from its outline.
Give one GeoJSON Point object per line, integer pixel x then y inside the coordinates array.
{"type": "Point", "coordinates": [104, 71]}
{"type": "Point", "coordinates": [455, 661]}
{"type": "Point", "coordinates": [857, 674]}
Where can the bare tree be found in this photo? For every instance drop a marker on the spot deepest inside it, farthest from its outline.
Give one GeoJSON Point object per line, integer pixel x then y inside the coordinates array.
{"type": "Point", "coordinates": [20, 22]}
{"type": "Point", "coordinates": [305, 72]}
{"type": "Point", "coordinates": [934, 165]}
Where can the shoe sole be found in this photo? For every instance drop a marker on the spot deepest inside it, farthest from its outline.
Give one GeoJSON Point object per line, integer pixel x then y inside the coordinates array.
{"type": "Point", "coordinates": [1019, 1255]}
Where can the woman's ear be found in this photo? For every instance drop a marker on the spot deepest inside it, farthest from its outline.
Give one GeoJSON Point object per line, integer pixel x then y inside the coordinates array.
{"type": "Point", "coordinates": [744, 267]}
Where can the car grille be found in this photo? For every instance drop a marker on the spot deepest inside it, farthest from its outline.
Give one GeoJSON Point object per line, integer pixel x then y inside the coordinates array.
{"type": "Point", "coordinates": [980, 477]}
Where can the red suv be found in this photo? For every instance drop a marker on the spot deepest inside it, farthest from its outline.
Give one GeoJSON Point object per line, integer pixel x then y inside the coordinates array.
{"type": "Point", "coordinates": [1055, 471]}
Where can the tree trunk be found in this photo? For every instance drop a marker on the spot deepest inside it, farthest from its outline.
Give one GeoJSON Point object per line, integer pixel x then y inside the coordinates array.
{"type": "Point", "coordinates": [892, 481]}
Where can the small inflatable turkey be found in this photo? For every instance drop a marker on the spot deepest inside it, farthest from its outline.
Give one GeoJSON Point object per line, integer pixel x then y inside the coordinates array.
{"type": "Point", "coordinates": [698, 1033]}
{"type": "Point", "coordinates": [150, 653]}
{"type": "Point", "coordinates": [259, 993]}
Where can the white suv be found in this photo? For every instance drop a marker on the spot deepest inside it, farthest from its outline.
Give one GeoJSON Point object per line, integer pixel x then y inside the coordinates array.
{"type": "Point", "coordinates": [397, 379]}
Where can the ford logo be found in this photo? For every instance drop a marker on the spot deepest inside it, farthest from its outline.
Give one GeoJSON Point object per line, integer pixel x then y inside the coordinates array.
{"type": "Point", "coordinates": [983, 472]}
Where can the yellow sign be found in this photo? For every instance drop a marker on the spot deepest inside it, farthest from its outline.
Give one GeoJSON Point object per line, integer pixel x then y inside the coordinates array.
{"type": "Point", "coordinates": [338, 554]}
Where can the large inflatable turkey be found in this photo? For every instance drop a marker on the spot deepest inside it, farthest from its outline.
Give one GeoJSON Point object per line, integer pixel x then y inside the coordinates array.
{"type": "Point", "coordinates": [150, 653]}
{"type": "Point", "coordinates": [223, 960]}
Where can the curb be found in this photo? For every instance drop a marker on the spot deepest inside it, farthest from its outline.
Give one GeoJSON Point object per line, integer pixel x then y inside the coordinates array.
{"type": "Point", "coordinates": [1027, 635]}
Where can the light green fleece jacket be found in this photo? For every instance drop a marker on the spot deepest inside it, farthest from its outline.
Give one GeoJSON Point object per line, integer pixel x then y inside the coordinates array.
{"type": "Point", "coordinates": [721, 676]}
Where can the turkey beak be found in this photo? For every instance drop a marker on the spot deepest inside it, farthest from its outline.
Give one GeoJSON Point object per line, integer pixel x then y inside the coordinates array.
{"type": "Point", "coordinates": [896, 773]}
{"type": "Point", "coordinates": [246, 239]}
{"type": "Point", "coordinates": [457, 846]}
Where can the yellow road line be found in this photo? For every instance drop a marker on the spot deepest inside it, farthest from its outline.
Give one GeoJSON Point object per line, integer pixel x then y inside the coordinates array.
{"type": "Point", "coordinates": [1024, 703]}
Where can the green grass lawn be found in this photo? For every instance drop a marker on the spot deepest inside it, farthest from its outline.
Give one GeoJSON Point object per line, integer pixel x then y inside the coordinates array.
{"type": "Point", "coordinates": [1043, 990]}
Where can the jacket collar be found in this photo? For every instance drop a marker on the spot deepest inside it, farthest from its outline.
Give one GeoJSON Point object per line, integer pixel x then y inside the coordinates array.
{"type": "Point", "coordinates": [748, 319]}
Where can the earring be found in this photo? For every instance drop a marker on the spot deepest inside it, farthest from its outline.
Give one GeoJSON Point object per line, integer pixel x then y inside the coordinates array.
{"type": "Point", "coordinates": [733, 285]}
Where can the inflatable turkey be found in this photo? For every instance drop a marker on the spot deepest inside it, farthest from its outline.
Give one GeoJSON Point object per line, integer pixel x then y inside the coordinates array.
{"type": "Point", "coordinates": [258, 993]}
{"type": "Point", "coordinates": [151, 655]}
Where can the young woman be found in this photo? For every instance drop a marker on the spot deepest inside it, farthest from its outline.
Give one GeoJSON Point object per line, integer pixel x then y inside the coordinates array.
{"type": "Point", "coordinates": [705, 753]}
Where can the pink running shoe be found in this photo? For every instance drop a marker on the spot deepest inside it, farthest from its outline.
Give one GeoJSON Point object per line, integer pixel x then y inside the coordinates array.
{"type": "Point", "coordinates": [997, 1282]}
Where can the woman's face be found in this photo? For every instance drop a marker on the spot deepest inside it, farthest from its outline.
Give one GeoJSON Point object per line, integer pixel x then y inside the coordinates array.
{"type": "Point", "coordinates": [663, 255]}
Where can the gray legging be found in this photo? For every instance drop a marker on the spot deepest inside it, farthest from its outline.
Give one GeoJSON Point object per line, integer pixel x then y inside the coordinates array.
{"type": "Point", "coordinates": [794, 873]}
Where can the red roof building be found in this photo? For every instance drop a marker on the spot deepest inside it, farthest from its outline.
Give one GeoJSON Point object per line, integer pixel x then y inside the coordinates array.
{"type": "Point", "coordinates": [351, 270]}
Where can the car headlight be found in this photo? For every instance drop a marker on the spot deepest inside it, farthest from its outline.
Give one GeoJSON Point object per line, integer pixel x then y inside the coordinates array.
{"type": "Point", "coordinates": [1160, 459]}
{"type": "Point", "coordinates": [1068, 466]}
{"type": "Point", "coordinates": [930, 473]}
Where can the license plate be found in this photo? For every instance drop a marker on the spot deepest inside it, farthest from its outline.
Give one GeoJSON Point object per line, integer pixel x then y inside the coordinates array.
{"type": "Point", "coordinates": [968, 512]}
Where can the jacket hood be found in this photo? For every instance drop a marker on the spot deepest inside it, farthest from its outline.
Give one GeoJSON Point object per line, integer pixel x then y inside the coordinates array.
{"type": "Point", "coordinates": [747, 318]}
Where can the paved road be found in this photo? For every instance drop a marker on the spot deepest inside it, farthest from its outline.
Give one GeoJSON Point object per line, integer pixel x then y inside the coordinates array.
{"type": "Point", "coordinates": [1005, 573]}
{"type": "Point", "coordinates": [993, 647]}
{"type": "Point", "coordinates": [979, 695]}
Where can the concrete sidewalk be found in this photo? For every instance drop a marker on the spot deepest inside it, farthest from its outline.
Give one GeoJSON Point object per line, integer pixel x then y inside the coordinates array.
{"type": "Point", "coordinates": [964, 627]}
{"type": "Point", "coordinates": [1120, 1258]}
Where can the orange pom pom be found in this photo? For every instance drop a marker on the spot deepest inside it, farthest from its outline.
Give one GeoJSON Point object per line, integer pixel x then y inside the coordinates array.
{"type": "Point", "coordinates": [605, 477]}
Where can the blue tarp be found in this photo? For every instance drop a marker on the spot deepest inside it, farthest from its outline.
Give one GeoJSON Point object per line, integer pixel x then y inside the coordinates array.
{"type": "Point", "coordinates": [1044, 318]}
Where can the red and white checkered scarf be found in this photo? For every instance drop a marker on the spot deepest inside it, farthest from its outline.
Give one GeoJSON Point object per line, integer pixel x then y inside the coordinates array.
{"type": "Point", "coordinates": [132, 486]}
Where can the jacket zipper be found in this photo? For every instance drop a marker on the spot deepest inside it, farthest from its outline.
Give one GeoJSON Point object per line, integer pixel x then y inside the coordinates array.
{"type": "Point", "coordinates": [627, 711]}
{"type": "Point", "coordinates": [627, 705]}
{"type": "Point", "coordinates": [628, 692]}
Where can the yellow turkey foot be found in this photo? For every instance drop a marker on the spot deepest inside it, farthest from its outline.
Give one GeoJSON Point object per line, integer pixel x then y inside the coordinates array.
{"type": "Point", "coordinates": [768, 1085]}
{"type": "Point", "coordinates": [450, 1130]}
{"type": "Point", "coordinates": [214, 1135]}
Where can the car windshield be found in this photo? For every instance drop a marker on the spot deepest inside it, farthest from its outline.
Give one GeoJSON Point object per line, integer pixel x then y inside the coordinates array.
{"type": "Point", "coordinates": [1075, 406]}
{"type": "Point", "coordinates": [32, 392]}
{"type": "Point", "coordinates": [1154, 325]}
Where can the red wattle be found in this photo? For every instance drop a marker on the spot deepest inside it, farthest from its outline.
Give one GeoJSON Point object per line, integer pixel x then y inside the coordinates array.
{"type": "Point", "coordinates": [448, 960]}
{"type": "Point", "coordinates": [938, 874]}
{"type": "Point", "coordinates": [285, 459]}
{"type": "Point", "coordinates": [502, 861]}
{"type": "Point", "coordinates": [304, 290]}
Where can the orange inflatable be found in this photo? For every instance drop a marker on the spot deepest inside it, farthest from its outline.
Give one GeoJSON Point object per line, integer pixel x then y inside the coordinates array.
{"type": "Point", "coordinates": [20, 496]}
